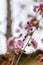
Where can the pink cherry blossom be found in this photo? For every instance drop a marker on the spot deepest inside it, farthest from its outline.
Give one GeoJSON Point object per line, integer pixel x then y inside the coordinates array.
{"type": "Point", "coordinates": [29, 24]}
{"type": "Point", "coordinates": [34, 43]}
{"type": "Point", "coordinates": [15, 45]}
{"type": "Point", "coordinates": [40, 59]}
{"type": "Point", "coordinates": [41, 4]}
{"type": "Point", "coordinates": [10, 42]}
{"type": "Point", "coordinates": [35, 7]}
{"type": "Point", "coordinates": [18, 44]}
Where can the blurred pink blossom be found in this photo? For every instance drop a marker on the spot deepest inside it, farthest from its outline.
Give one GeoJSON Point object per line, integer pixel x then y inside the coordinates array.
{"type": "Point", "coordinates": [41, 4]}
{"type": "Point", "coordinates": [10, 43]}
{"type": "Point", "coordinates": [39, 59]}
{"type": "Point", "coordinates": [35, 7]}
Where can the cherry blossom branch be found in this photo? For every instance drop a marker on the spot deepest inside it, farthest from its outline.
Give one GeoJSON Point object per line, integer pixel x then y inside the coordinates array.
{"type": "Point", "coordinates": [33, 32]}
{"type": "Point", "coordinates": [28, 41]}
{"type": "Point", "coordinates": [24, 48]}
{"type": "Point", "coordinates": [13, 61]}
{"type": "Point", "coordinates": [23, 40]}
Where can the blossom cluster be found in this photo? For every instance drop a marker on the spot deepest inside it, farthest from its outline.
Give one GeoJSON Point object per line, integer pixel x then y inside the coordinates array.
{"type": "Point", "coordinates": [15, 45]}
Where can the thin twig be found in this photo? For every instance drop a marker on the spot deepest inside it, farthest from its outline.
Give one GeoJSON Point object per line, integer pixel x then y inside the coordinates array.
{"type": "Point", "coordinates": [13, 60]}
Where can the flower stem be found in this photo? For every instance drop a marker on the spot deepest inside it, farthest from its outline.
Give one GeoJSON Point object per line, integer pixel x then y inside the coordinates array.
{"type": "Point", "coordinates": [12, 60]}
